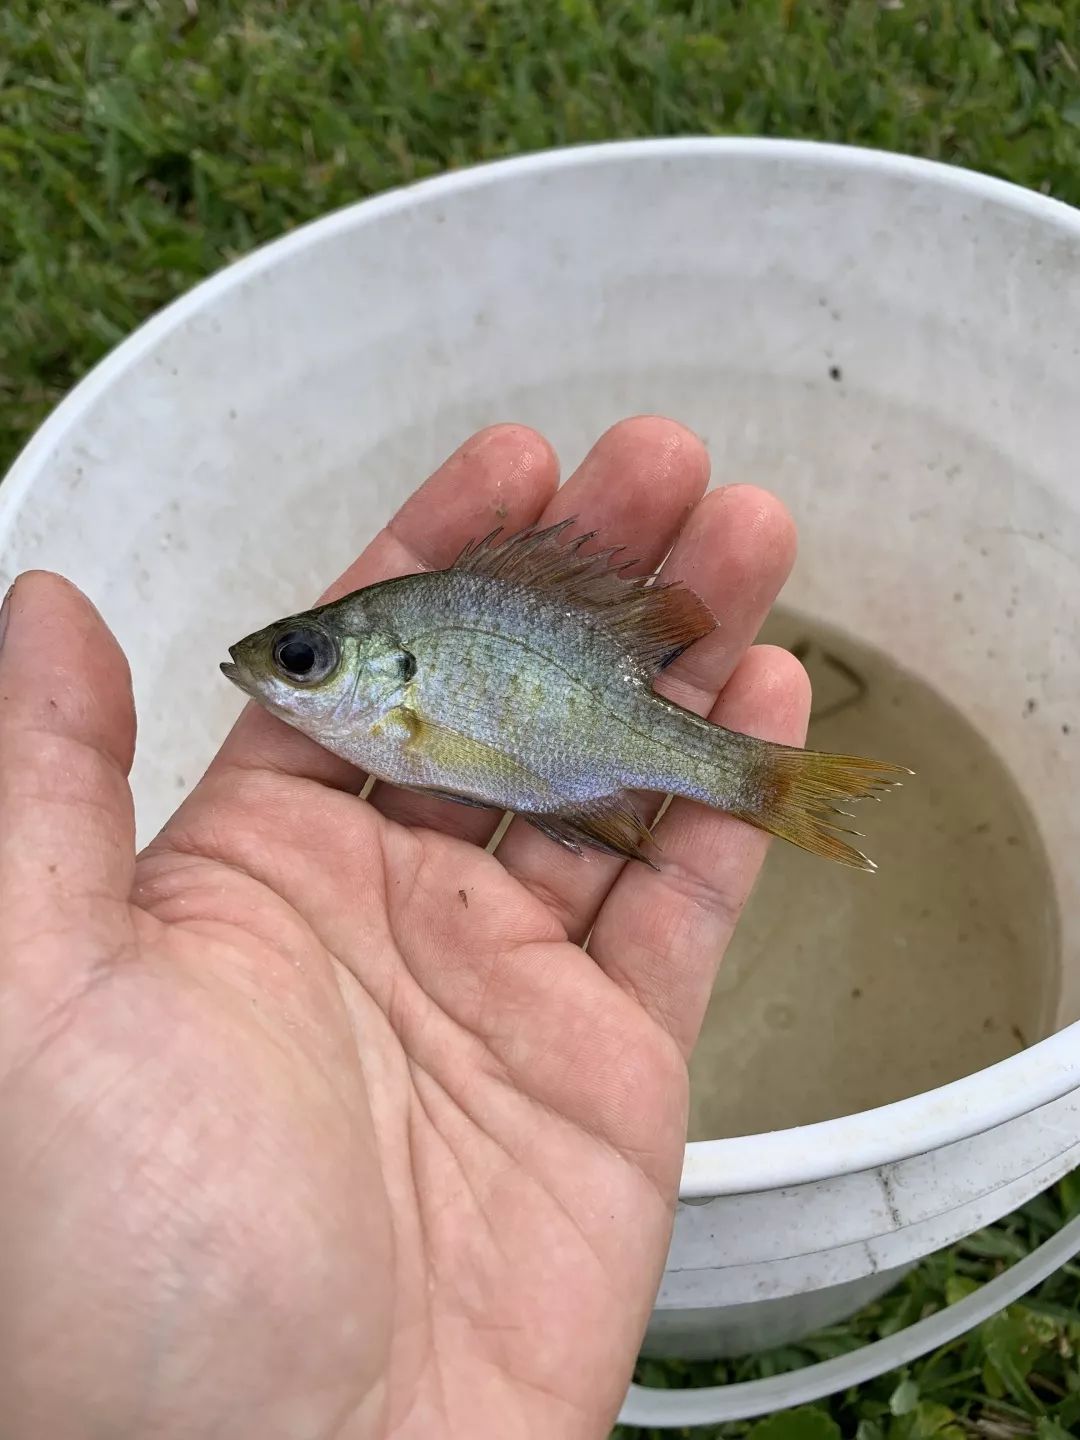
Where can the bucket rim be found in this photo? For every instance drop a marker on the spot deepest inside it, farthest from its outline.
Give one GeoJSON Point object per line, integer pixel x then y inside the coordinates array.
{"type": "Point", "coordinates": [887, 1134]}
{"type": "Point", "coordinates": [743, 1164]}
{"type": "Point", "coordinates": [814, 154]}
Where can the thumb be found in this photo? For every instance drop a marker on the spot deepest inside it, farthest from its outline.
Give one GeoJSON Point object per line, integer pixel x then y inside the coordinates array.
{"type": "Point", "coordinates": [67, 738]}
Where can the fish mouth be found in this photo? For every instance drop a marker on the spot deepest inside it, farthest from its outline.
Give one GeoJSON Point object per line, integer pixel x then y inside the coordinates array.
{"type": "Point", "coordinates": [233, 672]}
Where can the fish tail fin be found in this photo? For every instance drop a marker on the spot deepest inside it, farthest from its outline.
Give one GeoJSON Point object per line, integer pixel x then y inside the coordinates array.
{"type": "Point", "coordinates": [797, 795]}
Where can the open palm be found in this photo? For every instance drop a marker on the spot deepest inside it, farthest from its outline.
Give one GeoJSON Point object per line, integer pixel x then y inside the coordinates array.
{"type": "Point", "coordinates": [317, 1119]}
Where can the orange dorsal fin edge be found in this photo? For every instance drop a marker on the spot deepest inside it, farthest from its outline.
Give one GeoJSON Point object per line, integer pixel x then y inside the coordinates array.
{"type": "Point", "coordinates": [656, 623]}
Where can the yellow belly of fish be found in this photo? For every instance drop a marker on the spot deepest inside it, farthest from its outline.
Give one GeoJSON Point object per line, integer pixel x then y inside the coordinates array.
{"type": "Point", "coordinates": [433, 756]}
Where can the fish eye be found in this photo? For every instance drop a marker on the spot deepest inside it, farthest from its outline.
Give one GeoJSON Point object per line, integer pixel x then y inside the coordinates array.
{"type": "Point", "coordinates": [305, 655]}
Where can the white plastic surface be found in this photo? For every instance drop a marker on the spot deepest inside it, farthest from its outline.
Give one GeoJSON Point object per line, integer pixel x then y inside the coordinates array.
{"type": "Point", "coordinates": [892, 346]}
{"type": "Point", "coordinates": [711, 1404]}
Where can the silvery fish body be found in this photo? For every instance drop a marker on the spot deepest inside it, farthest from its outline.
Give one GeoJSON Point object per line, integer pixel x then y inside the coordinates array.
{"type": "Point", "coordinates": [522, 679]}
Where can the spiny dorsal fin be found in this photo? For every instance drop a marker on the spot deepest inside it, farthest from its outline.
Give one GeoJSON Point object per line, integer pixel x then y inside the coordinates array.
{"type": "Point", "coordinates": [656, 622]}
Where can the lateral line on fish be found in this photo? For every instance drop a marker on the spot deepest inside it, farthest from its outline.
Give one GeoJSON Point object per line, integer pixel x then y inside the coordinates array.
{"type": "Point", "coordinates": [669, 747]}
{"type": "Point", "coordinates": [524, 645]}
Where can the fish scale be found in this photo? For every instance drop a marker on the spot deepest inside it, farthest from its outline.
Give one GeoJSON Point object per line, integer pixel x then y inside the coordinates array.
{"type": "Point", "coordinates": [521, 678]}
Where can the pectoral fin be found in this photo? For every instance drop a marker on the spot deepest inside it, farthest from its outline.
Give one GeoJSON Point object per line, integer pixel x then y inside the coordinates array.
{"type": "Point", "coordinates": [611, 825]}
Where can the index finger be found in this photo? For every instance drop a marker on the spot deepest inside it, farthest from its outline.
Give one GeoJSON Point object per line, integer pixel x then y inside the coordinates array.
{"type": "Point", "coordinates": [503, 475]}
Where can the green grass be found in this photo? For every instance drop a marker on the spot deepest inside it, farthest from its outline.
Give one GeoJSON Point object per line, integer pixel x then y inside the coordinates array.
{"type": "Point", "coordinates": [1017, 1376]}
{"type": "Point", "coordinates": [143, 145]}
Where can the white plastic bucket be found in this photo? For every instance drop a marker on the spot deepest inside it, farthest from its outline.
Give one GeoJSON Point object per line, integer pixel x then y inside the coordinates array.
{"type": "Point", "coordinates": [889, 344]}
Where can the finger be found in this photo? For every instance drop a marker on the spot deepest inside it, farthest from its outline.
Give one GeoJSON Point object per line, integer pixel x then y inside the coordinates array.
{"type": "Point", "coordinates": [501, 476]}
{"type": "Point", "coordinates": [736, 553]}
{"type": "Point", "coordinates": [67, 737]}
{"type": "Point", "coordinates": [661, 934]}
{"type": "Point", "coordinates": [635, 488]}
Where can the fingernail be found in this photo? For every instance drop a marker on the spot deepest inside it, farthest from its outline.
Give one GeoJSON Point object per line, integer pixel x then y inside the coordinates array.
{"type": "Point", "coordinates": [5, 611]}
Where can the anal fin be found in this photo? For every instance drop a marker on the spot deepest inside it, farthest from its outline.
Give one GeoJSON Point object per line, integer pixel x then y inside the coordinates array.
{"type": "Point", "coordinates": [611, 825]}
{"type": "Point", "coordinates": [452, 797]}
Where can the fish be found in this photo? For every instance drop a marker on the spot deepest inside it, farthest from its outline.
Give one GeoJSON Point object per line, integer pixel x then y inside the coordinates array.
{"type": "Point", "coordinates": [521, 679]}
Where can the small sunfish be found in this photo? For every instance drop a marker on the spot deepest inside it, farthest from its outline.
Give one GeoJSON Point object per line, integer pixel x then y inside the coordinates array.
{"type": "Point", "coordinates": [521, 678]}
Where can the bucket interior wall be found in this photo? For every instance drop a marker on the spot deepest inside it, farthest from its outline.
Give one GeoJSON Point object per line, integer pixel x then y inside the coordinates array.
{"type": "Point", "coordinates": [844, 991]}
{"type": "Point", "coordinates": [894, 355]}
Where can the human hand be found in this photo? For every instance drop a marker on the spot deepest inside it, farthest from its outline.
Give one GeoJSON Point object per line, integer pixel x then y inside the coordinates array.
{"type": "Point", "coordinates": [316, 1119]}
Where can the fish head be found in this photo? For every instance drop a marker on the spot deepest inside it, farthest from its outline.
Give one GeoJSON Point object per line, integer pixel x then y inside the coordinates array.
{"type": "Point", "coordinates": [323, 670]}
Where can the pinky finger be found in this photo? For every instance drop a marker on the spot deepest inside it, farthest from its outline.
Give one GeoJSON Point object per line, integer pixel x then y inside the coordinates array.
{"type": "Point", "coordinates": [662, 933]}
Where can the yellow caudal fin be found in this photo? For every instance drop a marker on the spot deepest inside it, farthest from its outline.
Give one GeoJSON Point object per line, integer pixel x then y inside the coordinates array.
{"type": "Point", "coordinates": [800, 792]}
